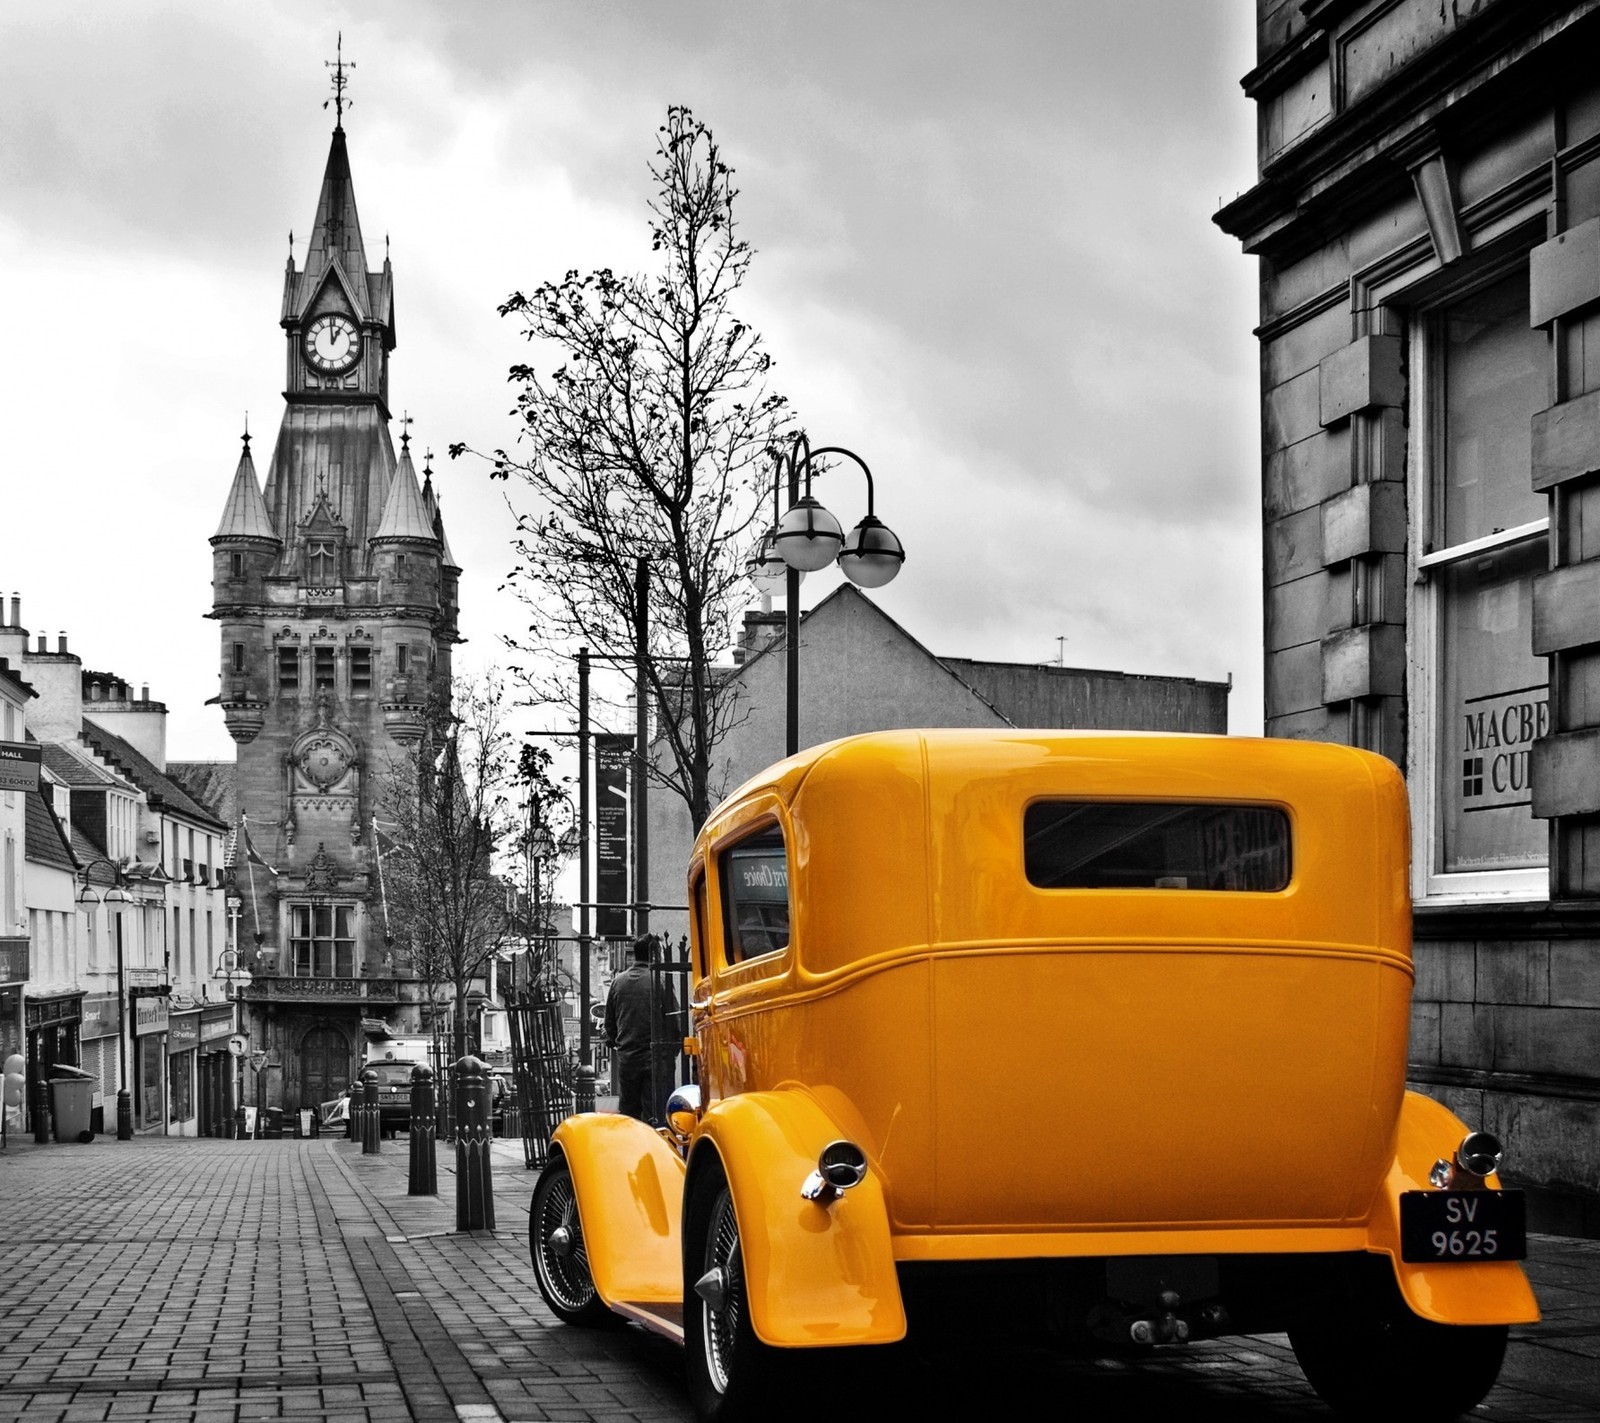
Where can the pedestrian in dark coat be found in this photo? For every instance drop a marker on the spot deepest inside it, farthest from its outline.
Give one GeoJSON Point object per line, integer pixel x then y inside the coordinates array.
{"type": "Point", "coordinates": [632, 1006]}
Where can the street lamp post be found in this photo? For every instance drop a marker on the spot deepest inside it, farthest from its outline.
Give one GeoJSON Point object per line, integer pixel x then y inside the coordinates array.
{"type": "Point", "coordinates": [117, 895]}
{"type": "Point", "coordinates": [809, 538]}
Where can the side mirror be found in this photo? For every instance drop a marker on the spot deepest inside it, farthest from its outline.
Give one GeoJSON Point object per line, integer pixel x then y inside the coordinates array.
{"type": "Point", "coordinates": [683, 1111]}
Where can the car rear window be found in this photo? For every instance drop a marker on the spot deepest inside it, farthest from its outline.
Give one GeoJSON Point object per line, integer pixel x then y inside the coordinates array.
{"type": "Point", "coordinates": [1077, 844]}
{"type": "Point", "coordinates": [393, 1074]}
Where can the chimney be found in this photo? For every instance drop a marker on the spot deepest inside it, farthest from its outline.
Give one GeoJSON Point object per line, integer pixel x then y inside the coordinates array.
{"type": "Point", "coordinates": [61, 643]}
{"type": "Point", "coordinates": [42, 647]}
{"type": "Point", "coordinates": [144, 692]}
{"type": "Point", "coordinates": [16, 610]}
{"type": "Point", "coordinates": [761, 629]}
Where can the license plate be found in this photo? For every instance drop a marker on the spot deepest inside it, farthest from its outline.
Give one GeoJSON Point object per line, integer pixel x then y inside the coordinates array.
{"type": "Point", "coordinates": [1451, 1227]}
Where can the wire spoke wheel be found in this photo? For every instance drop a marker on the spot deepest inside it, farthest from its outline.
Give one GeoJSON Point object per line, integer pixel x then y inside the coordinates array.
{"type": "Point", "coordinates": [560, 1257]}
{"type": "Point", "coordinates": [732, 1374]}
{"type": "Point", "coordinates": [721, 1322]}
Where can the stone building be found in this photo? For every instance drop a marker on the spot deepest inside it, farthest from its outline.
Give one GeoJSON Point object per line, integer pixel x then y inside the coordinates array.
{"type": "Point", "coordinates": [1427, 225]}
{"type": "Point", "coordinates": [334, 591]}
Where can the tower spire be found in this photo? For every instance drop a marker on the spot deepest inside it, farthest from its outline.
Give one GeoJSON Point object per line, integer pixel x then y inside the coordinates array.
{"type": "Point", "coordinates": [338, 66]}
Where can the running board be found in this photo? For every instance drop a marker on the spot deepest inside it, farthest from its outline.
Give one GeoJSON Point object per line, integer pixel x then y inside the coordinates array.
{"type": "Point", "coordinates": [663, 1319]}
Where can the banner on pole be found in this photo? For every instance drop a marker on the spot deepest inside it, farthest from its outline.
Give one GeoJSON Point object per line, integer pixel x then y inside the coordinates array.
{"type": "Point", "coordinates": [612, 757]}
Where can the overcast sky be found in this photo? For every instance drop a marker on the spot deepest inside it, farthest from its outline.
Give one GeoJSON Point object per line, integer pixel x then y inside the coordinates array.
{"type": "Point", "coordinates": [984, 260]}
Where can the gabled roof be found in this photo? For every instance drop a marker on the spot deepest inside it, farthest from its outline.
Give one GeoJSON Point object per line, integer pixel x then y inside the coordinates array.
{"type": "Point", "coordinates": [245, 514]}
{"type": "Point", "coordinates": [76, 767]}
{"type": "Point", "coordinates": [162, 792]}
{"type": "Point", "coordinates": [47, 842]}
{"type": "Point", "coordinates": [849, 592]}
{"type": "Point", "coordinates": [14, 678]}
{"type": "Point", "coordinates": [211, 784]}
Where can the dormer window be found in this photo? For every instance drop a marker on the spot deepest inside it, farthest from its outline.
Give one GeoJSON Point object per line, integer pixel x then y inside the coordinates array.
{"type": "Point", "coordinates": [322, 563]}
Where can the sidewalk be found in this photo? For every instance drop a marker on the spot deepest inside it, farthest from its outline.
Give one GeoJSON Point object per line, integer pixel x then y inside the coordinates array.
{"type": "Point", "coordinates": [220, 1281]}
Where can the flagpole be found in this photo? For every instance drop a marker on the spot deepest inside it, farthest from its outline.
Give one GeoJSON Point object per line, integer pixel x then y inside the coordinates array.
{"type": "Point", "coordinates": [383, 892]}
{"type": "Point", "coordinates": [255, 912]}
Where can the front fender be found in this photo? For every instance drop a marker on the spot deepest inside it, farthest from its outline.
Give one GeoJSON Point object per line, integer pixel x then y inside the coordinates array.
{"type": "Point", "coordinates": [1479, 1292]}
{"type": "Point", "coordinates": [629, 1186]}
{"type": "Point", "coordinates": [814, 1275]}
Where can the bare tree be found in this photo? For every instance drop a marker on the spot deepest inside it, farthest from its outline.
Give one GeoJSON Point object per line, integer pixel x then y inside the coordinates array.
{"type": "Point", "coordinates": [446, 806]}
{"type": "Point", "coordinates": [649, 440]}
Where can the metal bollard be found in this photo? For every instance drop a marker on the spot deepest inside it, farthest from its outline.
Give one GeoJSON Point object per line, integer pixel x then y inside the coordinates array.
{"type": "Point", "coordinates": [474, 1179]}
{"type": "Point", "coordinates": [41, 1111]}
{"type": "Point", "coordinates": [369, 1113]}
{"type": "Point", "coordinates": [423, 1178]}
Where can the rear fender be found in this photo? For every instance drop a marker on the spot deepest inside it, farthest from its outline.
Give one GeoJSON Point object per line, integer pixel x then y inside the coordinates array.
{"type": "Point", "coordinates": [1478, 1292]}
{"type": "Point", "coordinates": [814, 1275]}
{"type": "Point", "coordinates": [629, 1186]}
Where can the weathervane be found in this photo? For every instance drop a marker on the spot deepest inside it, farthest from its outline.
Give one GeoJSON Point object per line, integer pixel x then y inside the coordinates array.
{"type": "Point", "coordinates": [338, 66]}
{"type": "Point", "coordinates": [405, 431]}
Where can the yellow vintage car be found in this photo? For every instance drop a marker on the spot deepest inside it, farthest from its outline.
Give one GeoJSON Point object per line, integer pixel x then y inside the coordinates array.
{"type": "Point", "coordinates": [1108, 1030]}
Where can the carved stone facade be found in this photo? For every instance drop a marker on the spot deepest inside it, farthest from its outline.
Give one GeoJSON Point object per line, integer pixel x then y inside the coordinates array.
{"type": "Point", "coordinates": [1427, 220]}
{"type": "Point", "coordinates": [335, 592]}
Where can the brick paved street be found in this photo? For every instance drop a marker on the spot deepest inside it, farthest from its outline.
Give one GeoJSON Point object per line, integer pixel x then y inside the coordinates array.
{"type": "Point", "coordinates": [209, 1280]}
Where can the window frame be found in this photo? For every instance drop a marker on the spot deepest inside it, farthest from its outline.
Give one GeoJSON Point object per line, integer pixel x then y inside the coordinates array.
{"type": "Point", "coordinates": [1431, 886]}
{"type": "Point", "coordinates": [311, 938]}
{"type": "Point", "coordinates": [730, 904]}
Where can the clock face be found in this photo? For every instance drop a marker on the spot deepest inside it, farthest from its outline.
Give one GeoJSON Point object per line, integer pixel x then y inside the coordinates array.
{"type": "Point", "coordinates": [332, 343]}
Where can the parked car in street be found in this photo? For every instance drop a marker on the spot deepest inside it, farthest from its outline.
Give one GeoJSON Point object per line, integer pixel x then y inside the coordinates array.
{"type": "Point", "coordinates": [1200, 951]}
{"type": "Point", "coordinates": [394, 1093]}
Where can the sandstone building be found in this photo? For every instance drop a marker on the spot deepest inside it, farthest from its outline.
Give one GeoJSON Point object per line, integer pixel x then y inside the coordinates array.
{"type": "Point", "coordinates": [1427, 223]}
{"type": "Point", "coordinates": [334, 591]}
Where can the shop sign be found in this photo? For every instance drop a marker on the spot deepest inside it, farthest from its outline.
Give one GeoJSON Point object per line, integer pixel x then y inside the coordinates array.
{"type": "Point", "coordinates": [149, 1015]}
{"type": "Point", "coordinates": [1497, 732]}
{"type": "Point", "coordinates": [143, 977]}
{"type": "Point", "coordinates": [215, 1023]}
{"type": "Point", "coordinates": [53, 1011]}
{"type": "Point", "coordinates": [99, 1016]}
{"type": "Point", "coordinates": [13, 960]}
{"type": "Point", "coordinates": [19, 765]}
{"type": "Point", "coordinates": [183, 1031]}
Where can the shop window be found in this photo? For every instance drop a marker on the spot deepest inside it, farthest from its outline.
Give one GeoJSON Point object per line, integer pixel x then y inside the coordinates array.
{"type": "Point", "coordinates": [755, 896]}
{"type": "Point", "coordinates": [288, 668]}
{"type": "Point", "coordinates": [321, 941]}
{"type": "Point", "coordinates": [360, 671]}
{"type": "Point", "coordinates": [1479, 697]}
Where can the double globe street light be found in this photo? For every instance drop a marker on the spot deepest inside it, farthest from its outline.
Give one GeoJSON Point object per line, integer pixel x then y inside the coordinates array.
{"type": "Point", "coordinates": [808, 538]}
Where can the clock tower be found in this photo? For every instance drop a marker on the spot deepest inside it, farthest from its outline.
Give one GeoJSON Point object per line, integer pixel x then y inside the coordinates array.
{"type": "Point", "coordinates": [335, 592]}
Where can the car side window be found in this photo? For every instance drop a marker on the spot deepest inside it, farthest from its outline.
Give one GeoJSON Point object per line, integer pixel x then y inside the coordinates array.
{"type": "Point", "coordinates": [755, 895]}
{"type": "Point", "coordinates": [697, 925]}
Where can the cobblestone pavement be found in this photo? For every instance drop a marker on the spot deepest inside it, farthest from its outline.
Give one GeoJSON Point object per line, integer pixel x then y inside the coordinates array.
{"type": "Point", "coordinates": [209, 1280]}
